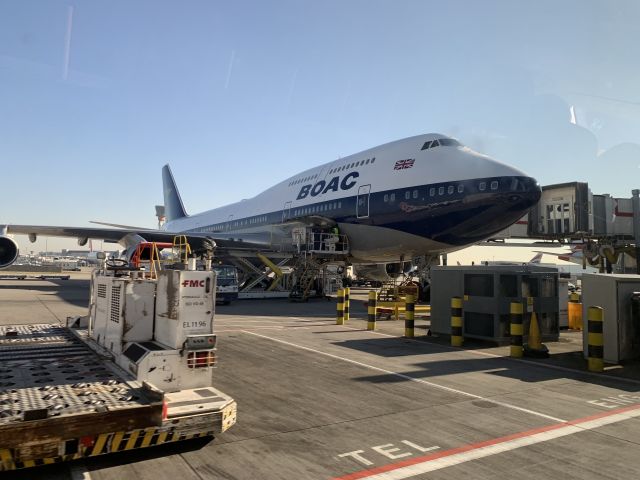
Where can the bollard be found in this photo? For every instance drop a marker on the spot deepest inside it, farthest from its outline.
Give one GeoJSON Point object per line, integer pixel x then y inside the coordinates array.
{"type": "Point", "coordinates": [409, 316]}
{"type": "Point", "coordinates": [371, 310]}
{"type": "Point", "coordinates": [456, 322]}
{"type": "Point", "coordinates": [340, 313]}
{"type": "Point", "coordinates": [347, 291]}
{"type": "Point", "coordinates": [516, 329]}
{"type": "Point", "coordinates": [595, 352]}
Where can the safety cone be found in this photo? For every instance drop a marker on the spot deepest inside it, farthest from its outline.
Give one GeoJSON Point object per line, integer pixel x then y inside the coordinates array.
{"type": "Point", "coordinates": [535, 347]}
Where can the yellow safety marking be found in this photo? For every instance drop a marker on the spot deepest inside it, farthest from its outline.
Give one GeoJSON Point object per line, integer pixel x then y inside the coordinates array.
{"type": "Point", "coordinates": [7, 459]}
{"type": "Point", "coordinates": [456, 321]}
{"type": "Point", "coordinates": [595, 339]}
{"type": "Point", "coordinates": [516, 329]}
{"type": "Point", "coordinates": [162, 438]}
{"type": "Point", "coordinates": [595, 314]}
{"type": "Point", "coordinates": [29, 463]}
{"type": "Point", "coordinates": [175, 437]}
{"type": "Point", "coordinates": [49, 461]}
{"type": "Point", "coordinates": [147, 438]}
{"type": "Point", "coordinates": [516, 308]}
{"type": "Point", "coordinates": [466, 298]}
{"type": "Point", "coordinates": [97, 448]}
{"type": "Point", "coordinates": [115, 443]}
{"type": "Point", "coordinates": [132, 440]}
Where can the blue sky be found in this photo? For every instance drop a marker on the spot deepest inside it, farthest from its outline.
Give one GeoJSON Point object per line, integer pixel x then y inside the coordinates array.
{"type": "Point", "coordinates": [96, 96]}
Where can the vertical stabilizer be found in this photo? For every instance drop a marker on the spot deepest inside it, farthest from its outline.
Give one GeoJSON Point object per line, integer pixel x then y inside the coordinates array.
{"type": "Point", "coordinates": [173, 207]}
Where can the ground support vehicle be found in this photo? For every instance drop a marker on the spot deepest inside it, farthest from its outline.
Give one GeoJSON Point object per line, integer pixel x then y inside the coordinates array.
{"type": "Point", "coordinates": [136, 372]}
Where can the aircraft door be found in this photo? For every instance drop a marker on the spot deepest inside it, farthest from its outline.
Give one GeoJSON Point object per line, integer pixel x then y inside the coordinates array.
{"type": "Point", "coordinates": [286, 211]}
{"type": "Point", "coordinates": [362, 206]}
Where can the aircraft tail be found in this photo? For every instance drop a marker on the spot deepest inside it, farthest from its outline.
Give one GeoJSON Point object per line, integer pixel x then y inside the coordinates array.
{"type": "Point", "coordinates": [536, 258]}
{"type": "Point", "coordinates": [173, 207]}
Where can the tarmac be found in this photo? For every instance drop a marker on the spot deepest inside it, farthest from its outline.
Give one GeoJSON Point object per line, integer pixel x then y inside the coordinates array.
{"type": "Point", "coordinates": [321, 401]}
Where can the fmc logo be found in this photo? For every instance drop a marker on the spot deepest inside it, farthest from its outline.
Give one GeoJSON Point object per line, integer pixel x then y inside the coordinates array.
{"type": "Point", "coordinates": [193, 283]}
{"type": "Point", "coordinates": [333, 185]}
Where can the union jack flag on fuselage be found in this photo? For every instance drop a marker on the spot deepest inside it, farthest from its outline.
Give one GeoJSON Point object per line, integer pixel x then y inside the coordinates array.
{"type": "Point", "coordinates": [402, 164]}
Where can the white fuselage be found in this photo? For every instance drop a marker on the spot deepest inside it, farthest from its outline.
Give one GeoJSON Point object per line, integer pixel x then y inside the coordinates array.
{"type": "Point", "coordinates": [393, 201]}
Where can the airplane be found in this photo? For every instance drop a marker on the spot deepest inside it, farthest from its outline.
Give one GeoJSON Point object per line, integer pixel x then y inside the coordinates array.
{"type": "Point", "coordinates": [413, 198]}
{"type": "Point", "coordinates": [591, 254]}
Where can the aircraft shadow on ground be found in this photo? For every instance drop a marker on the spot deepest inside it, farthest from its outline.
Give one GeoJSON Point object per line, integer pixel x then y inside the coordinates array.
{"type": "Point", "coordinates": [281, 307]}
{"type": "Point", "coordinates": [492, 366]}
{"type": "Point", "coordinates": [73, 291]}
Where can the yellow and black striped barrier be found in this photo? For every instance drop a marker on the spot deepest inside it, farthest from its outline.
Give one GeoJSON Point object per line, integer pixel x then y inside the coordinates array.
{"type": "Point", "coordinates": [347, 291]}
{"type": "Point", "coordinates": [340, 312]}
{"type": "Point", "coordinates": [516, 329]}
{"type": "Point", "coordinates": [409, 318]}
{"type": "Point", "coordinates": [595, 354]}
{"type": "Point", "coordinates": [371, 310]}
{"type": "Point", "coordinates": [102, 444]}
{"type": "Point", "coordinates": [456, 322]}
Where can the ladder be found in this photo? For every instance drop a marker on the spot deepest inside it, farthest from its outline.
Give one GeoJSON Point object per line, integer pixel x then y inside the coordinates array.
{"type": "Point", "coordinates": [306, 269]}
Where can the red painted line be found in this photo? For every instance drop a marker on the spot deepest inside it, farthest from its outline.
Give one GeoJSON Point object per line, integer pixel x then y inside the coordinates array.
{"type": "Point", "coordinates": [478, 445]}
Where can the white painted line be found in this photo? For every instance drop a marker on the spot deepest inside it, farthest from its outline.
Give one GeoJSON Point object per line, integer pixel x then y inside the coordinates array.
{"type": "Point", "coordinates": [467, 453]}
{"type": "Point", "coordinates": [406, 377]}
{"type": "Point", "coordinates": [78, 471]}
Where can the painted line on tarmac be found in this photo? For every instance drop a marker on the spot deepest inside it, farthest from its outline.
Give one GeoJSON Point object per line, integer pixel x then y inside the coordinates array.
{"type": "Point", "coordinates": [487, 448]}
{"type": "Point", "coordinates": [79, 471]}
{"type": "Point", "coordinates": [407, 377]}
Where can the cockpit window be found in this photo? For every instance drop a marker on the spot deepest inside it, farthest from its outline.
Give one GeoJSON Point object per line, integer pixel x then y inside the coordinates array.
{"type": "Point", "coordinates": [442, 142]}
{"type": "Point", "coordinates": [449, 142]}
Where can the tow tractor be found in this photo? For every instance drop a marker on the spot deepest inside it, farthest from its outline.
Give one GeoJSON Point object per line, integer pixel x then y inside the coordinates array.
{"type": "Point", "coordinates": [137, 371]}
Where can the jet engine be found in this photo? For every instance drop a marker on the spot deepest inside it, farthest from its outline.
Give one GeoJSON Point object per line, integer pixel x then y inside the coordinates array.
{"type": "Point", "coordinates": [9, 251]}
{"type": "Point", "coordinates": [382, 272]}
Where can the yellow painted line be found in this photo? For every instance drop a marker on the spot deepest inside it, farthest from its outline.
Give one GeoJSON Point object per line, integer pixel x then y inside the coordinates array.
{"type": "Point", "coordinates": [162, 438]}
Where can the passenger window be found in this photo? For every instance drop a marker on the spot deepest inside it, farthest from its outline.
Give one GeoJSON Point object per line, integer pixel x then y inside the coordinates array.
{"type": "Point", "coordinates": [432, 192]}
{"type": "Point", "coordinates": [415, 194]}
{"type": "Point", "coordinates": [393, 197]}
{"type": "Point", "coordinates": [367, 162]}
{"type": "Point", "coordinates": [494, 185]}
{"type": "Point", "coordinates": [441, 191]}
{"type": "Point", "coordinates": [482, 187]}
{"type": "Point", "coordinates": [386, 198]}
{"type": "Point", "coordinates": [407, 195]}
{"type": "Point", "coordinates": [460, 188]}
{"type": "Point", "coordinates": [339, 204]}
{"type": "Point", "coordinates": [450, 189]}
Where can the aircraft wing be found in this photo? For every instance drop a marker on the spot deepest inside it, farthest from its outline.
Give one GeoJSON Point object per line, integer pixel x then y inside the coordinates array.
{"type": "Point", "coordinates": [199, 241]}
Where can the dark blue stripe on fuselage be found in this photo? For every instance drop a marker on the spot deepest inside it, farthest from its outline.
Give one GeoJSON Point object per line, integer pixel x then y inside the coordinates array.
{"type": "Point", "coordinates": [455, 213]}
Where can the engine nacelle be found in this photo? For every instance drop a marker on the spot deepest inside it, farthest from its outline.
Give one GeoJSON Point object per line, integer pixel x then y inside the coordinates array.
{"type": "Point", "coordinates": [382, 272]}
{"type": "Point", "coordinates": [9, 251]}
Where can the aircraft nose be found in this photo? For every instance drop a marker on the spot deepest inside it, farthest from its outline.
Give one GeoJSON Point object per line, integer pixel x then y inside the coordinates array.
{"type": "Point", "coordinates": [524, 191]}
